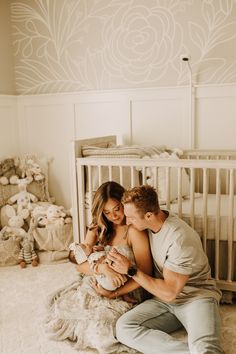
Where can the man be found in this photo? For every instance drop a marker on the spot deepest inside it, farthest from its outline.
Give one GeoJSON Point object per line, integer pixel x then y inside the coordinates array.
{"type": "Point", "coordinates": [184, 294]}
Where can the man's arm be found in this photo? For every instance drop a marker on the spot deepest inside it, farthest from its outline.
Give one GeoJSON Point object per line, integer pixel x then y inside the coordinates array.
{"type": "Point", "coordinates": [166, 289]}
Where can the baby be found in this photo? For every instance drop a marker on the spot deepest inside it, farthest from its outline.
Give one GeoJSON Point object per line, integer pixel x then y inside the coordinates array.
{"type": "Point", "coordinates": [82, 252]}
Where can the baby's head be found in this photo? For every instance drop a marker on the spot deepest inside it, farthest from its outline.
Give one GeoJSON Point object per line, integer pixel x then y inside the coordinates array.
{"type": "Point", "coordinates": [79, 252]}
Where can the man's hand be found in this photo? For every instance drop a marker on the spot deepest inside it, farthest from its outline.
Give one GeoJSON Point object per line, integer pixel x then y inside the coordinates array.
{"type": "Point", "coordinates": [116, 278]}
{"type": "Point", "coordinates": [118, 262]}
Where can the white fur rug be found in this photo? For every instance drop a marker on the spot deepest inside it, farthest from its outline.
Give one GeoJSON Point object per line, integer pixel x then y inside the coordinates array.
{"type": "Point", "coordinates": [23, 295]}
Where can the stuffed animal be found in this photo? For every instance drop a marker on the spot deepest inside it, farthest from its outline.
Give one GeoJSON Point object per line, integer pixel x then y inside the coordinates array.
{"type": "Point", "coordinates": [27, 253]}
{"type": "Point", "coordinates": [68, 217]}
{"type": "Point", "coordinates": [14, 228]}
{"type": "Point", "coordinates": [7, 170]}
{"type": "Point", "coordinates": [20, 166]}
{"type": "Point", "coordinates": [33, 170]}
{"type": "Point", "coordinates": [45, 213]}
{"type": "Point", "coordinates": [55, 214]}
{"type": "Point", "coordinates": [23, 199]}
{"type": "Point", "coordinates": [6, 212]}
{"type": "Point", "coordinates": [39, 214]}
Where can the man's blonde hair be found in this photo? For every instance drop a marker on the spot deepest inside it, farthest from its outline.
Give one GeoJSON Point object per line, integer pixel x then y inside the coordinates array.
{"type": "Point", "coordinates": [144, 198]}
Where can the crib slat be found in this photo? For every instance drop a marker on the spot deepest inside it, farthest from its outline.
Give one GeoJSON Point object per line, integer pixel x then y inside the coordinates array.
{"type": "Point", "coordinates": [155, 176]}
{"type": "Point", "coordinates": [81, 198]}
{"type": "Point", "coordinates": [230, 224]}
{"type": "Point", "coordinates": [205, 199]}
{"type": "Point", "coordinates": [121, 175]}
{"type": "Point", "coordinates": [167, 187]}
{"type": "Point", "coordinates": [110, 172]}
{"type": "Point", "coordinates": [132, 171]}
{"type": "Point", "coordinates": [144, 175]}
{"type": "Point", "coordinates": [217, 225]}
{"type": "Point", "coordinates": [192, 191]}
{"type": "Point", "coordinates": [90, 178]}
{"type": "Point", "coordinates": [90, 192]}
{"type": "Point", "coordinates": [179, 176]}
{"type": "Point", "coordinates": [99, 175]}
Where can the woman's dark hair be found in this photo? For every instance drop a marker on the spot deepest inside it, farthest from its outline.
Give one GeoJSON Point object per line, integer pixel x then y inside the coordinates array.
{"type": "Point", "coordinates": [108, 190]}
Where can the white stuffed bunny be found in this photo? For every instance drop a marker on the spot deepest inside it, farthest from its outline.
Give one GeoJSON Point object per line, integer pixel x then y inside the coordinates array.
{"type": "Point", "coordinates": [23, 198]}
{"type": "Point", "coordinates": [14, 228]}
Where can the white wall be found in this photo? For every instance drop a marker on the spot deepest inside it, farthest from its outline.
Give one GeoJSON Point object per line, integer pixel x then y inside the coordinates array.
{"type": "Point", "coordinates": [46, 129]}
{"type": "Point", "coordinates": [216, 117]}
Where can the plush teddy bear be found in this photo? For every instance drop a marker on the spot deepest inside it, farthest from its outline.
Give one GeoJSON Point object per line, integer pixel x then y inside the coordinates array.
{"type": "Point", "coordinates": [20, 166]}
{"type": "Point", "coordinates": [44, 213]}
{"type": "Point", "coordinates": [55, 214]}
{"type": "Point", "coordinates": [39, 214]}
{"type": "Point", "coordinates": [23, 199]}
{"type": "Point", "coordinates": [27, 253]}
{"type": "Point", "coordinates": [7, 170]}
{"type": "Point", "coordinates": [33, 170]}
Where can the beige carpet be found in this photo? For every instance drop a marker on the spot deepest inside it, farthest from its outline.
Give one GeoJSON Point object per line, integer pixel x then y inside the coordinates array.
{"type": "Point", "coordinates": [23, 294]}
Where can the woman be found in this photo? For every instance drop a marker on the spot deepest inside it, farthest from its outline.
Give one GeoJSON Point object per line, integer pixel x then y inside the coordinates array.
{"type": "Point", "coordinates": [79, 312]}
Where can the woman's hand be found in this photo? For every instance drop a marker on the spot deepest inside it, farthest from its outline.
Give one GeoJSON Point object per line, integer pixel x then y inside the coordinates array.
{"type": "Point", "coordinates": [116, 278]}
{"type": "Point", "coordinates": [118, 262]}
{"type": "Point", "coordinates": [98, 248]}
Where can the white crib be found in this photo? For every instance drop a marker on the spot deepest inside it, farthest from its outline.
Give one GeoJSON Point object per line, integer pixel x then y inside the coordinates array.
{"type": "Point", "coordinates": [200, 187]}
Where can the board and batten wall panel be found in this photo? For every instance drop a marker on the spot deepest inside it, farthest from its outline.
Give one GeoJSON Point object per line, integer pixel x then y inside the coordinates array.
{"type": "Point", "coordinates": [145, 116]}
{"type": "Point", "coordinates": [159, 116]}
{"type": "Point", "coordinates": [216, 118]}
{"type": "Point", "coordinates": [9, 144]}
{"type": "Point", "coordinates": [47, 130]}
{"type": "Point", "coordinates": [103, 117]}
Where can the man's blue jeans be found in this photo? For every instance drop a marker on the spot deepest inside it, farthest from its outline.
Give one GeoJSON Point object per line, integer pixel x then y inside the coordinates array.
{"type": "Point", "coordinates": [147, 326]}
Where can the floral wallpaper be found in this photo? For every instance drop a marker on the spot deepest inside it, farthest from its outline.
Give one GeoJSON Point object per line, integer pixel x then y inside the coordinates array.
{"type": "Point", "coordinates": [74, 45]}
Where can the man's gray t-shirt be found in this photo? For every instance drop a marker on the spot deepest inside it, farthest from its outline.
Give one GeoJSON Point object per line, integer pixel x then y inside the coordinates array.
{"type": "Point", "coordinates": [178, 247]}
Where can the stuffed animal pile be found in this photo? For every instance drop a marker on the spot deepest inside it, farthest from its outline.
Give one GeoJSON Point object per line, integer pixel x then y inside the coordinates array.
{"type": "Point", "coordinates": [23, 211]}
{"type": "Point", "coordinates": [50, 214]}
{"type": "Point", "coordinates": [13, 169]}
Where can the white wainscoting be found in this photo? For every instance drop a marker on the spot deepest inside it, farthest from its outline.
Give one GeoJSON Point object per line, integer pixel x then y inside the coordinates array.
{"type": "Point", "coordinates": [145, 116]}
{"type": "Point", "coordinates": [47, 123]}
{"type": "Point", "coordinates": [9, 143]}
{"type": "Point", "coordinates": [46, 129]}
{"type": "Point", "coordinates": [216, 117]}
